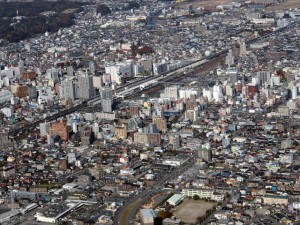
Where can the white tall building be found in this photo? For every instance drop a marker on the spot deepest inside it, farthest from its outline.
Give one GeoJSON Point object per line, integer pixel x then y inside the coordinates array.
{"type": "Point", "coordinates": [294, 92]}
{"type": "Point", "coordinates": [264, 76]}
{"type": "Point", "coordinates": [170, 92]}
{"type": "Point", "coordinates": [119, 70]}
{"type": "Point", "coordinates": [187, 92]}
{"type": "Point", "coordinates": [207, 94]}
{"type": "Point", "coordinates": [44, 128]}
{"type": "Point", "coordinates": [106, 105]}
{"type": "Point", "coordinates": [230, 58]}
{"type": "Point", "coordinates": [217, 93]}
{"type": "Point", "coordinates": [243, 48]}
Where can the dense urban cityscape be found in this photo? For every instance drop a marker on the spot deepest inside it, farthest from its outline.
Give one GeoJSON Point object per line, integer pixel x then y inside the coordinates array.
{"type": "Point", "coordinates": [150, 112]}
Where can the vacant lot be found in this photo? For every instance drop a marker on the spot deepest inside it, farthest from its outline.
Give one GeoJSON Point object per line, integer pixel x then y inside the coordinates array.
{"type": "Point", "coordinates": [286, 5]}
{"type": "Point", "coordinates": [190, 210]}
{"type": "Point", "coordinates": [206, 4]}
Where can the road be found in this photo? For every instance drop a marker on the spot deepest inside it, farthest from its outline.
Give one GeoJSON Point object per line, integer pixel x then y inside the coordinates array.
{"type": "Point", "coordinates": [148, 192]}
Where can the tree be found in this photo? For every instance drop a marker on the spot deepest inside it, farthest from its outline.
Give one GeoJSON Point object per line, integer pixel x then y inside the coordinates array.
{"type": "Point", "coordinates": [196, 197]}
{"type": "Point", "coordinates": [133, 5]}
{"type": "Point", "coordinates": [103, 9]}
{"type": "Point", "coordinates": [199, 219]}
{"type": "Point", "coordinates": [164, 214]}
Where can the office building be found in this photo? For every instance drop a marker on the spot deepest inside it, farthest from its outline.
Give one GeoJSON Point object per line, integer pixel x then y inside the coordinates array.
{"type": "Point", "coordinates": [121, 132]}
{"type": "Point", "coordinates": [67, 90]}
{"type": "Point", "coordinates": [60, 128]}
{"type": "Point", "coordinates": [97, 82]}
{"type": "Point", "coordinates": [161, 123]}
{"type": "Point", "coordinates": [70, 71]}
{"type": "Point", "coordinates": [106, 93]}
{"type": "Point", "coordinates": [243, 48]}
{"type": "Point", "coordinates": [205, 154]}
{"type": "Point", "coordinates": [85, 87]}
{"type": "Point", "coordinates": [160, 68]}
{"type": "Point", "coordinates": [170, 92]}
{"type": "Point", "coordinates": [44, 128]}
{"type": "Point", "coordinates": [106, 105]}
{"type": "Point", "coordinates": [230, 58]}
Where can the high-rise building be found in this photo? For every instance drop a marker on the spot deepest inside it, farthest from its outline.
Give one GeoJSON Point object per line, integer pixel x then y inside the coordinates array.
{"type": "Point", "coordinates": [29, 75]}
{"type": "Point", "coordinates": [85, 87]}
{"type": "Point", "coordinates": [134, 110]}
{"type": "Point", "coordinates": [92, 67]}
{"type": "Point", "coordinates": [205, 154]}
{"type": "Point", "coordinates": [106, 105]}
{"type": "Point", "coordinates": [5, 141]}
{"type": "Point", "coordinates": [160, 68]}
{"type": "Point", "coordinates": [106, 93]}
{"type": "Point", "coordinates": [70, 71]}
{"type": "Point", "coordinates": [161, 123]}
{"type": "Point", "coordinates": [230, 58]}
{"type": "Point", "coordinates": [187, 92]}
{"type": "Point", "coordinates": [60, 128]}
{"type": "Point", "coordinates": [264, 76]}
{"type": "Point", "coordinates": [191, 114]}
{"type": "Point", "coordinates": [119, 71]}
{"type": "Point", "coordinates": [170, 92]}
{"type": "Point", "coordinates": [243, 48]}
{"type": "Point", "coordinates": [97, 82]}
{"type": "Point", "coordinates": [67, 90]}
{"type": "Point", "coordinates": [21, 91]}
{"type": "Point", "coordinates": [32, 92]}
{"type": "Point", "coordinates": [44, 128]}
{"type": "Point", "coordinates": [121, 132]}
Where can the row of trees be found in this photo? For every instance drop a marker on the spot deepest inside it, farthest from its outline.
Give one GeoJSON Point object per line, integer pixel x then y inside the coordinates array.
{"type": "Point", "coordinates": [206, 215]}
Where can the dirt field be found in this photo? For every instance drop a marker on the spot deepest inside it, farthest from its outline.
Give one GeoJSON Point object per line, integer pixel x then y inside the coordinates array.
{"type": "Point", "coordinates": [190, 210]}
{"type": "Point", "coordinates": [286, 5]}
{"type": "Point", "coordinates": [206, 4]}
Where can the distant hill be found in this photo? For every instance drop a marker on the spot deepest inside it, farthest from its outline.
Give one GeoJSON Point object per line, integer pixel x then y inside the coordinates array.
{"type": "Point", "coordinates": [21, 20]}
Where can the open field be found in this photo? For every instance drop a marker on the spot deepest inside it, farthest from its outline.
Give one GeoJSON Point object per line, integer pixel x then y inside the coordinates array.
{"type": "Point", "coordinates": [206, 4]}
{"type": "Point", "coordinates": [286, 5]}
{"type": "Point", "coordinates": [190, 210]}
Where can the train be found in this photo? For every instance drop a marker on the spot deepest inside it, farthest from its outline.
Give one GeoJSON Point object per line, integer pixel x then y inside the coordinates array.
{"type": "Point", "coordinates": [148, 84]}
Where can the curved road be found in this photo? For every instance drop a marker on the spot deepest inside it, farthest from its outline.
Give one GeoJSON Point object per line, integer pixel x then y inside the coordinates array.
{"type": "Point", "coordinates": [144, 196]}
